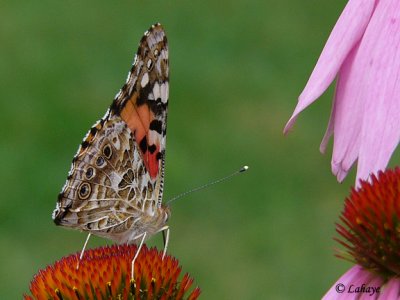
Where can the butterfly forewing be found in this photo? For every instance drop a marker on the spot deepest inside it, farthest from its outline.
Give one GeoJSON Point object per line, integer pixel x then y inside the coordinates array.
{"type": "Point", "coordinates": [114, 187]}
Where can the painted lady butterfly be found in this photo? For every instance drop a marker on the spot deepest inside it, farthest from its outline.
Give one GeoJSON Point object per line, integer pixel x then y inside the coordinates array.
{"type": "Point", "coordinates": [115, 185]}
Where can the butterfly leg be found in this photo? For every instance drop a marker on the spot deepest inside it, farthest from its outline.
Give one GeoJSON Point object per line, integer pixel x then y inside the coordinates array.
{"type": "Point", "coordinates": [83, 250]}
{"type": "Point", "coordinates": [137, 254]}
{"type": "Point", "coordinates": [165, 234]}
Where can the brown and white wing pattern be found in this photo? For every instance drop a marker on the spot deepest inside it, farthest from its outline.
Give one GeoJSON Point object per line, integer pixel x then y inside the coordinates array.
{"type": "Point", "coordinates": [114, 188]}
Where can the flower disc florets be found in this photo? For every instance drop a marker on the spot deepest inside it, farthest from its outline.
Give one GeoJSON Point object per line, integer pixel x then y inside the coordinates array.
{"type": "Point", "coordinates": [104, 273]}
{"type": "Point", "coordinates": [371, 224]}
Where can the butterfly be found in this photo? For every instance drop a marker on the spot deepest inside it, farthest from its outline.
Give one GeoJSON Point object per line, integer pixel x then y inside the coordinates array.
{"type": "Point", "coordinates": [115, 185]}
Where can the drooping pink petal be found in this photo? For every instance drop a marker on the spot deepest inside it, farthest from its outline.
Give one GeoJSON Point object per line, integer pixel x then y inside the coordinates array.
{"type": "Point", "coordinates": [380, 133]}
{"type": "Point", "coordinates": [366, 105]}
{"type": "Point", "coordinates": [346, 33]}
{"type": "Point", "coordinates": [346, 117]}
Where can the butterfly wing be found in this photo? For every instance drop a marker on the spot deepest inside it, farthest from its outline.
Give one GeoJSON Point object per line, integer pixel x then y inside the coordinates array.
{"type": "Point", "coordinates": [142, 102]}
{"type": "Point", "coordinates": [115, 184]}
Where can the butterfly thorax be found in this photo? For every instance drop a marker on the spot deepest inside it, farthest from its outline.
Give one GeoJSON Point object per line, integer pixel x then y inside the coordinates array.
{"type": "Point", "coordinates": [149, 224]}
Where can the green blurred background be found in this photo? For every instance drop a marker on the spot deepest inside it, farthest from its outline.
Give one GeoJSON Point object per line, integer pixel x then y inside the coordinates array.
{"type": "Point", "coordinates": [237, 68]}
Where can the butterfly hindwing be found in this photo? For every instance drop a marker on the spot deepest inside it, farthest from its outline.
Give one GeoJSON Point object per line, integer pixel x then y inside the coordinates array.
{"type": "Point", "coordinates": [114, 187]}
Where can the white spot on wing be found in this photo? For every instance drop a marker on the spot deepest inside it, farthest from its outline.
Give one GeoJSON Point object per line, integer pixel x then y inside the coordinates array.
{"type": "Point", "coordinates": [149, 63]}
{"type": "Point", "coordinates": [145, 80]}
{"type": "Point", "coordinates": [156, 91]}
{"type": "Point", "coordinates": [164, 92]}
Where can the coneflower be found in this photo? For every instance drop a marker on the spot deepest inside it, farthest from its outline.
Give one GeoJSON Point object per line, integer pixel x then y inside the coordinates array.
{"type": "Point", "coordinates": [104, 273]}
{"type": "Point", "coordinates": [370, 233]}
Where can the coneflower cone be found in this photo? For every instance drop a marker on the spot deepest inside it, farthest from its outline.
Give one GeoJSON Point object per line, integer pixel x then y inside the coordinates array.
{"type": "Point", "coordinates": [104, 273]}
{"type": "Point", "coordinates": [370, 232]}
{"type": "Point", "coordinates": [371, 224]}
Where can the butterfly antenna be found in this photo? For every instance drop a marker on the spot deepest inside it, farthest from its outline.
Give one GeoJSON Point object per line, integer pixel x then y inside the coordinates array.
{"type": "Point", "coordinates": [242, 169]}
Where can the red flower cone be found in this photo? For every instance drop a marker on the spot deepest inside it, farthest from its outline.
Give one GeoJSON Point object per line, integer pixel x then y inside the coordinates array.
{"type": "Point", "coordinates": [104, 273]}
{"type": "Point", "coordinates": [370, 233]}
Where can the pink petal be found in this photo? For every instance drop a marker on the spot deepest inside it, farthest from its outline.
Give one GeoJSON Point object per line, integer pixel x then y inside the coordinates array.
{"type": "Point", "coordinates": [356, 276]}
{"type": "Point", "coordinates": [346, 118]}
{"type": "Point", "coordinates": [365, 100]}
{"type": "Point", "coordinates": [375, 282]}
{"type": "Point", "coordinates": [381, 125]}
{"type": "Point", "coordinates": [391, 290]}
{"type": "Point", "coordinates": [346, 33]}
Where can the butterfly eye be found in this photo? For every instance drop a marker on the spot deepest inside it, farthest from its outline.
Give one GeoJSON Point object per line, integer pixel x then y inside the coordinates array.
{"type": "Point", "coordinates": [107, 151]}
{"type": "Point", "coordinates": [149, 64]}
{"type": "Point", "coordinates": [84, 190]}
{"type": "Point", "coordinates": [89, 173]}
{"type": "Point", "coordinates": [100, 161]}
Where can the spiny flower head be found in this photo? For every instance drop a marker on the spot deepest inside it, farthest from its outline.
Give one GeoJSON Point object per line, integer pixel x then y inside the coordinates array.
{"type": "Point", "coordinates": [104, 273]}
{"type": "Point", "coordinates": [371, 224]}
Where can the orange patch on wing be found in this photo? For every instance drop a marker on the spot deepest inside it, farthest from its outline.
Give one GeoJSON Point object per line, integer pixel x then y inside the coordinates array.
{"type": "Point", "coordinates": [138, 120]}
{"type": "Point", "coordinates": [153, 162]}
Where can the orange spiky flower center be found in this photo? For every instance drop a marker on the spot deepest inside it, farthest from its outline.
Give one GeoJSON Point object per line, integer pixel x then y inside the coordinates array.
{"type": "Point", "coordinates": [104, 273]}
{"type": "Point", "coordinates": [371, 224]}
